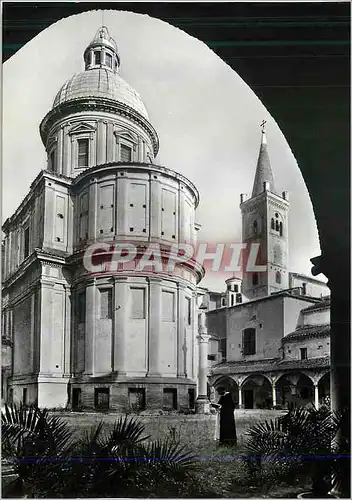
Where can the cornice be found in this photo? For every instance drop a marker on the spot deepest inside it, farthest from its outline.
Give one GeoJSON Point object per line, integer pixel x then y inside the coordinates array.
{"type": "Point", "coordinates": [131, 166]}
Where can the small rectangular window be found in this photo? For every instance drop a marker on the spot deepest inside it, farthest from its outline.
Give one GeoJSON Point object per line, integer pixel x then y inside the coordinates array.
{"type": "Point", "coordinates": [189, 310]}
{"type": "Point", "coordinates": [101, 398]}
{"type": "Point", "coordinates": [83, 150]}
{"type": "Point", "coordinates": [53, 160]}
{"type": "Point", "coordinates": [136, 399]}
{"type": "Point", "coordinates": [106, 304]}
{"type": "Point", "coordinates": [108, 60]}
{"type": "Point", "coordinates": [125, 153]}
{"type": "Point", "coordinates": [223, 347]}
{"type": "Point", "coordinates": [211, 357]}
{"type": "Point", "coordinates": [304, 353]}
{"type": "Point", "coordinates": [170, 399]}
{"type": "Point", "coordinates": [249, 341]}
{"type": "Point", "coordinates": [236, 288]}
{"type": "Point", "coordinates": [26, 242]}
{"type": "Point", "coordinates": [97, 57]}
{"type": "Point", "coordinates": [76, 398]}
{"type": "Point", "coordinates": [238, 298]}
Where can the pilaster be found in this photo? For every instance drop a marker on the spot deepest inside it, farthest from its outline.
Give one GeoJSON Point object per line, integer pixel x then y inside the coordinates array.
{"type": "Point", "coordinates": [90, 327]}
{"type": "Point", "coordinates": [181, 329]}
{"type": "Point", "coordinates": [154, 327]}
{"type": "Point", "coordinates": [120, 325]}
{"type": "Point", "coordinates": [155, 208]}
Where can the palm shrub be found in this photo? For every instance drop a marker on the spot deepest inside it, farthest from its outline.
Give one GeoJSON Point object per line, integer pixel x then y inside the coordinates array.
{"type": "Point", "coordinates": [300, 441]}
{"type": "Point", "coordinates": [33, 442]}
{"type": "Point", "coordinates": [50, 461]}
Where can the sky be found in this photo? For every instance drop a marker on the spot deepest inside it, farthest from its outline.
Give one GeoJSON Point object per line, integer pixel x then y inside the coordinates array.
{"type": "Point", "coordinates": [207, 118]}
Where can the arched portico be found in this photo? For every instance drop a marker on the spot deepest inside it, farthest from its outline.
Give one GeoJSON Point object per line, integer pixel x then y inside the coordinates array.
{"type": "Point", "coordinates": [256, 392]}
{"type": "Point", "coordinates": [227, 383]}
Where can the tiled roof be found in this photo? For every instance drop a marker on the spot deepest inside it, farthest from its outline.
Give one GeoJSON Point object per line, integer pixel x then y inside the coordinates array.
{"type": "Point", "coordinates": [324, 304]}
{"type": "Point", "coordinates": [308, 331]}
{"type": "Point", "coordinates": [270, 365]}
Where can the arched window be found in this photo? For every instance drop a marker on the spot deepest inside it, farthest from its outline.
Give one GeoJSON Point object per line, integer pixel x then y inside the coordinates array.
{"type": "Point", "coordinates": [272, 224]}
{"type": "Point", "coordinates": [278, 277]}
{"type": "Point", "coordinates": [232, 300]}
{"type": "Point", "coordinates": [255, 227]}
{"type": "Point", "coordinates": [248, 341]}
{"type": "Point", "coordinates": [277, 225]}
{"type": "Point", "coordinates": [280, 228]}
{"type": "Point", "coordinates": [223, 302]}
{"type": "Point", "coordinates": [255, 279]}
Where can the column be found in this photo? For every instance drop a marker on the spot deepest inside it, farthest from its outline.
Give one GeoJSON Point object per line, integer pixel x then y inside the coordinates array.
{"type": "Point", "coordinates": [101, 143]}
{"type": "Point", "coordinates": [340, 352]}
{"type": "Point", "coordinates": [181, 330]}
{"type": "Point", "coordinates": [240, 404]}
{"type": "Point", "coordinates": [202, 402]}
{"type": "Point", "coordinates": [154, 327]}
{"type": "Point", "coordinates": [90, 328]}
{"type": "Point", "coordinates": [316, 395]}
{"type": "Point", "coordinates": [109, 142]}
{"type": "Point", "coordinates": [120, 326]}
{"type": "Point", "coordinates": [273, 389]}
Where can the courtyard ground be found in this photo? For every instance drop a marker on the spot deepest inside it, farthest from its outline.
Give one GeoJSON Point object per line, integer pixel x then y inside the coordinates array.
{"type": "Point", "coordinates": [221, 471]}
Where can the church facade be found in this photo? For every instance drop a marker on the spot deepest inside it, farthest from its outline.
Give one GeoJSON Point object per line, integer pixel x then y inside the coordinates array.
{"type": "Point", "coordinates": [118, 340]}
{"type": "Point", "coordinates": [272, 329]}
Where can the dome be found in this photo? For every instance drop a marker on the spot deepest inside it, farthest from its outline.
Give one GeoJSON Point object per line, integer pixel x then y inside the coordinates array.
{"type": "Point", "coordinates": [100, 82]}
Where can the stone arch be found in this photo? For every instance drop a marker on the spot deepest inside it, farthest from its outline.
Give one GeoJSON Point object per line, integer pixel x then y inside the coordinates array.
{"type": "Point", "coordinates": [295, 389]}
{"type": "Point", "coordinates": [228, 383]}
{"type": "Point", "coordinates": [256, 391]}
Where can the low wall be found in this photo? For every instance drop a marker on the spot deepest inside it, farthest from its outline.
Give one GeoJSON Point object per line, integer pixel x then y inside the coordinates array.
{"type": "Point", "coordinates": [193, 430]}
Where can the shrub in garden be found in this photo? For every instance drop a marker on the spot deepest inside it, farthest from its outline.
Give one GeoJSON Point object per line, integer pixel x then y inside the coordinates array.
{"type": "Point", "coordinates": [299, 442]}
{"type": "Point", "coordinates": [50, 462]}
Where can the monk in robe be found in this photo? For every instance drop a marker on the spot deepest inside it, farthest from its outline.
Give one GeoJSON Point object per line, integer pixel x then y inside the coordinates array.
{"type": "Point", "coordinates": [227, 419]}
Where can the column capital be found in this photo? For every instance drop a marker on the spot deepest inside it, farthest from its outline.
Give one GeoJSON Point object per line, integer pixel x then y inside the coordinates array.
{"type": "Point", "coordinates": [120, 279]}
{"type": "Point", "coordinates": [154, 280]}
{"type": "Point", "coordinates": [203, 338]}
{"type": "Point", "coordinates": [90, 282]}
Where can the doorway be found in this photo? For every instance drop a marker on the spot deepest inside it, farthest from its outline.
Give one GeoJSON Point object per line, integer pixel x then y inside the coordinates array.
{"type": "Point", "coordinates": [248, 398]}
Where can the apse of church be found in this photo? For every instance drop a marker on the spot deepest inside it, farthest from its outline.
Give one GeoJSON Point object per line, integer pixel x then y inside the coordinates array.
{"type": "Point", "coordinates": [117, 339]}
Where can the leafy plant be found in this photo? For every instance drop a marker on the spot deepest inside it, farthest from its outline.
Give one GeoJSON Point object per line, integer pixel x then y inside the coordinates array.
{"type": "Point", "coordinates": [51, 462]}
{"type": "Point", "coordinates": [301, 440]}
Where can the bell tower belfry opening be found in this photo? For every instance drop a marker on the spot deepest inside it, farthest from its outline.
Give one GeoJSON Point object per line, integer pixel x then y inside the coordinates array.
{"type": "Point", "coordinates": [265, 222]}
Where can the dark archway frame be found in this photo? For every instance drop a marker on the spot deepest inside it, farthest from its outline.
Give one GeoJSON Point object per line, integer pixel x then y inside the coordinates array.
{"type": "Point", "coordinates": [296, 58]}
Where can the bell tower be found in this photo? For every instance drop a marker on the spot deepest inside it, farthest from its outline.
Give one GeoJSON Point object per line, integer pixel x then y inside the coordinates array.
{"type": "Point", "coordinates": [265, 223]}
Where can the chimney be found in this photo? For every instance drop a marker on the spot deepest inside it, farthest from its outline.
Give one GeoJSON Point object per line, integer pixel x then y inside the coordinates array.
{"type": "Point", "coordinates": [286, 195]}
